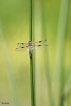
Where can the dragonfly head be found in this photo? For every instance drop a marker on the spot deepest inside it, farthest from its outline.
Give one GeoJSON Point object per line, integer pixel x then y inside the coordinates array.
{"type": "Point", "coordinates": [29, 41]}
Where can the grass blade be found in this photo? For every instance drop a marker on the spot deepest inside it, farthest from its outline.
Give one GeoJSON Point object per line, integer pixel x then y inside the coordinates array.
{"type": "Point", "coordinates": [61, 32]}
{"type": "Point", "coordinates": [46, 57]}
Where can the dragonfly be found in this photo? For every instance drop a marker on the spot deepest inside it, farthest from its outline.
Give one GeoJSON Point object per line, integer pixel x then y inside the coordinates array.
{"type": "Point", "coordinates": [30, 46]}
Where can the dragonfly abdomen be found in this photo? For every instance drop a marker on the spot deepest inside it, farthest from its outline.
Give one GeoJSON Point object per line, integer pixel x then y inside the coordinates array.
{"type": "Point", "coordinates": [30, 53]}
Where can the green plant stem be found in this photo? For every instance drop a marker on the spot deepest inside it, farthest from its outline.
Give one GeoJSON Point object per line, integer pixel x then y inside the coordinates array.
{"type": "Point", "coordinates": [31, 63]}
{"type": "Point", "coordinates": [32, 83]}
{"type": "Point", "coordinates": [31, 20]}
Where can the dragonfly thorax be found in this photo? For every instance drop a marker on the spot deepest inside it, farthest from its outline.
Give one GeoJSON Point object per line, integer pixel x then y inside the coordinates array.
{"type": "Point", "coordinates": [29, 43]}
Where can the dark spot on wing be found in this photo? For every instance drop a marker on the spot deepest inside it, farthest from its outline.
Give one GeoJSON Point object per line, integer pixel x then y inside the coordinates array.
{"type": "Point", "coordinates": [39, 45]}
{"type": "Point", "coordinates": [16, 48]}
{"type": "Point", "coordinates": [22, 43]}
{"type": "Point", "coordinates": [22, 47]}
{"type": "Point", "coordinates": [40, 41]}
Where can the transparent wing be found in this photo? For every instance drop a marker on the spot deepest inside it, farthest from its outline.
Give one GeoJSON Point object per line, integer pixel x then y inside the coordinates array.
{"type": "Point", "coordinates": [44, 46]}
{"type": "Point", "coordinates": [33, 43]}
{"type": "Point", "coordinates": [22, 44]}
{"type": "Point", "coordinates": [22, 49]}
{"type": "Point", "coordinates": [39, 42]}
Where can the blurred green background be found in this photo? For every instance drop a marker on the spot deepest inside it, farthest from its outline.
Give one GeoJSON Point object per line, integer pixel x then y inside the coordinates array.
{"type": "Point", "coordinates": [52, 66]}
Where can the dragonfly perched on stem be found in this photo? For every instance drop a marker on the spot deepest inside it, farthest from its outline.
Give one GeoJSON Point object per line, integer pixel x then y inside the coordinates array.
{"type": "Point", "coordinates": [31, 46]}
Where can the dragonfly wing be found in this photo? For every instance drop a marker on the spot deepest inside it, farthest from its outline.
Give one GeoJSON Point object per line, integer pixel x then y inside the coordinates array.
{"type": "Point", "coordinates": [21, 49]}
{"type": "Point", "coordinates": [22, 44]}
{"type": "Point", "coordinates": [40, 47]}
{"type": "Point", "coordinates": [40, 42]}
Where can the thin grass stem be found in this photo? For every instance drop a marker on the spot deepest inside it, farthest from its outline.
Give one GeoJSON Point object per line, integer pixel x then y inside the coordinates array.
{"type": "Point", "coordinates": [32, 75]}
{"type": "Point", "coordinates": [32, 83]}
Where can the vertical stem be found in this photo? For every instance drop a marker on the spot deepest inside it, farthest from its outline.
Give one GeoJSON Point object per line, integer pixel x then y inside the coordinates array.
{"type": "Point", "coordinates": [31, 20]}
{"type": "Point", "coordinates": [32, 83]}
{"type": "Point", "coordinates": [31, 62]}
